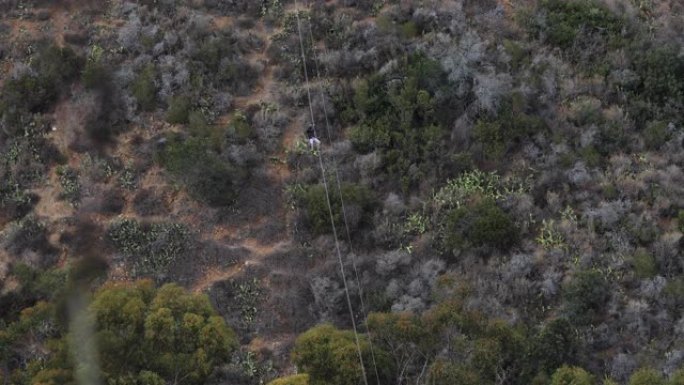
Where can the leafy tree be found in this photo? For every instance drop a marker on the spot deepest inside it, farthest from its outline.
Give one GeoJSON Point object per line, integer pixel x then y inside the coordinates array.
{"type": "Point", "coordinates": [446, 373]}
{"type": "Point", "coordinates": [329, 356]}
{"type": "Point", "coordinates": [677, 378]}
{"type": "Point", "coordinates": [296, 379]}
{"type": "Point", "coordinates": [646, 376]}
{"type": "Point", "coordinates": [498, 353]}
{"type": "Point", "coordinates": [555, 345]}
{"type": "Point", "coordinates": [150, 336]}
{"type": "Point", "coordinates": [406, 336]}
{"type": "Point", "coordinates": [571, 375]}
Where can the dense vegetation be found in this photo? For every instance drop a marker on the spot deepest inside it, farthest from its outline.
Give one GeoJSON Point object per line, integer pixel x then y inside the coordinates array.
{"type": "Point", "coordinates": [505, 180]}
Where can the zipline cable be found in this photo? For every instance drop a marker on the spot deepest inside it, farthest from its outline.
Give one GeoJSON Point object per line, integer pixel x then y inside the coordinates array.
{"type": "Point", "coordinates": [327, 196]}
{"type": "Point", "coordinates": [343, 207]}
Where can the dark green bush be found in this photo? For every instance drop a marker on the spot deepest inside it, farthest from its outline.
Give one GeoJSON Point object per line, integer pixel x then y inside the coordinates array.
{"type": "Point", "coordinates": [395, 114]}
{"type": "Point", "coordinates": [57, 65]}
{"type": "Point", "coordinates": [610, 139]}
{"type": "Point", "coordinates": [240, 128]}
{"type": "Point", "coordinates": [565, 19]}
{"type": "Point", "coordinates": [644, 264]}
{"type": "Point", "coordinates": [661, 71]}
{"type": "Point", "coordinates": [53, 69]}
{"type": "Point", "coordinates": [555, 345]}
{"type": "Point", "coordinates": [357, 201]}
{"type": "Point", "coordinates": [198, 125]}
{"type": "Point", "coordinates": [144, 88]}
{"type": "Point", "coordinates": [591, 156]}
{"type": "Point", "coordinates": [673, 294]}
{"type": "Point", "coordinates": [655, 134]}
{"type": "Point", "coordinates": [29, 234]}
{"type": "Point", "coordinates": [512, 124]}
{"type": "Point", "coordinates": [586, 296]}
{"type": "Point", "coordinates": [482, 225]}
{"type": "Point", "coordinates": [179, 110]}
{"type": "Point", "coordinates": [96, 75]}
{"type": "Point", "coordinates": [207, 177]}
{"type": "Point", "coordinates": [32, 93]}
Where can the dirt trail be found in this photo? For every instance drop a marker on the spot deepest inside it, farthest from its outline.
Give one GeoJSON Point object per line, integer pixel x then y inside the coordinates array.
{"type": "Point", "coordinates": [258, 252]}
{"type": "Point", "coordinates": [265, 92]}
{"type": "Point", "coordinates": [59, 23]}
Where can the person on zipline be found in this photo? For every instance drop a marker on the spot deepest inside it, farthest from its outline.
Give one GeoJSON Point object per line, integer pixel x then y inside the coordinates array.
{"type": "Point", "coordinates": [313, 140]}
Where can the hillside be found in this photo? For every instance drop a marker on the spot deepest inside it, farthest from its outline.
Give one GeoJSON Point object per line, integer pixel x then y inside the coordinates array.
{"type": "Point", "coordinates": [498, 196]}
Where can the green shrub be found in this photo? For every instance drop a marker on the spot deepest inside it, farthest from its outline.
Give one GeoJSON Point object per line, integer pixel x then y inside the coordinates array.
{"type": "Point", "coordinates": [197, 124]}
{"type": "Point", "coordinates": [179, 110]}
{"type": "Point", "coordinates": [398, 118]}
{"type": "Point", "coordinates": [511, 125]}
{"type": "Point", "coordinates": [58, 65]}
{"type": "Point", "coordinates": [144, 88]}
{"type": "Point", "coordinates": [29, 234]}
{"type": "Point", "coordinates": [32, 93]}
{"type": "Point", "coordinates": [207, 177]}
{"type": "Point", "coordinates": [446, 373]}
{"type": "Point", "coordinates": [240, 127]}
{"type": "Point", "coordinates": [677, 378]}
{"type": "Point", "coordinates": [71, 187]}
{"type": "Point", "coordinates": [680, 220]}
{"type": "Point", "coordinates": [565, 19]}
{"type": "Point", "coordinates": [409, 30]}
{"type": "Point", "coordinates": [96, 75]}
{"type": "Point", "coordinates": [586, 295]}
{"type": "Point", "coordinates": [646, 376]}
{"type": "Point", "coordinates": [53, 68]}
{"type": "Point", "coordinates": [655, 134]}
{"type": "Point", "coordinates": [673, 294]}
{"type": "Point", "coordinates": [644, 264]}
{"type": "Point", "coordinates": [661, 72]}
{"type": "Point", "coordinates": [356, 197]}
{"type": "Point", "coordinates": [519, 55]}
{"type": "Point", "coordinates": [490, 136]}
{"type": "Point", "coordinates": [610, 139]}
{"type": "Point", "coordinates": [482, 225]}
{"type": "Point", "coordinates": [567, 375]}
